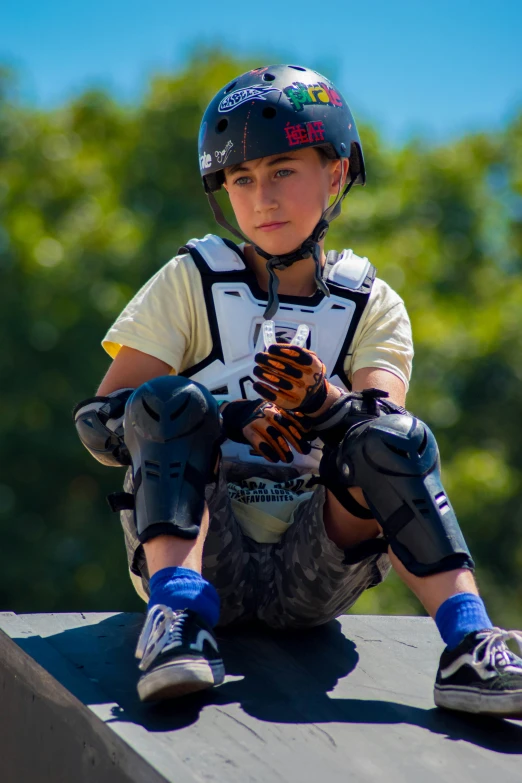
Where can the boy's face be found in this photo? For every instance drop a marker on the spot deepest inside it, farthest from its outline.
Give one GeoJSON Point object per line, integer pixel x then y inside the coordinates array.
{"type": "Point", "coordinates": [279, 200]}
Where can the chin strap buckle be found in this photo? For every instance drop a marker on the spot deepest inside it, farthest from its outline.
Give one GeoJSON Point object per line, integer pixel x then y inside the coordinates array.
{"type": "Point", "coordinates": [320, 230]}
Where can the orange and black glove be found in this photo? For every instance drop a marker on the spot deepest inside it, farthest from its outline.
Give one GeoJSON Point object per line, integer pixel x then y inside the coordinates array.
{"type": "Point", "coordinates": [293, 378]}
{"type": "Point", "coordinates": [268, 430]}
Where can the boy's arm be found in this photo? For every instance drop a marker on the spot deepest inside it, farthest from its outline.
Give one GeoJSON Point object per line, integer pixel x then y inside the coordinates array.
{"type": "Point", "coordinates": [374, 378]}
{"type": "Point", "coordinates": [129, 369]}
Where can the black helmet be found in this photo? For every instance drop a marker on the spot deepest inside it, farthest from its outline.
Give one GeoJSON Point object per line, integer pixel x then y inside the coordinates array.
{"type": "Point", "coordinates": [268, 111]}
{"type": "Point", "coordinates": [271, 110]}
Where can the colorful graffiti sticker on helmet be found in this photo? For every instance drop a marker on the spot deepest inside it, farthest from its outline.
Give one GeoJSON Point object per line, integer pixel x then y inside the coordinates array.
{"type": "Point", "coordinates": [255, 93]}
{"type": "Point", "coordinates": [301, 95]}
{"type": "Point", "coordinates": [304, 133]}
{"type": "Point", "coordinates": [222, 155]}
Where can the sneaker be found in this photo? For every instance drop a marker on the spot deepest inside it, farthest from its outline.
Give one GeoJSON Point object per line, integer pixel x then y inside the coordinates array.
{"type": "Point", "coordinates": [482, 675]}
{"type": "Point", "coordinates": [178, 654]}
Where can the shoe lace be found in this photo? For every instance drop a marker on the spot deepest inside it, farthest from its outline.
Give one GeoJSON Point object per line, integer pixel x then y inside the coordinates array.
{"type": "Point", "coordinates": [492, 649]}
{"type": "Point", "coordinates": [163, 626]}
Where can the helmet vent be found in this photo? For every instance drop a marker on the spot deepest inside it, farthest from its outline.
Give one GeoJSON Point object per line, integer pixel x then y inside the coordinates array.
{"type": "Point", "coordinates": [222, 125]}
{"type": "Point", "coordinates": [268, 77]}
{"type": "Point", "coordinates": [297, 67]}
{"type": "Point", "coordinates": [230, 86]}
{"type": "Point", "coordinates": [269, 112]}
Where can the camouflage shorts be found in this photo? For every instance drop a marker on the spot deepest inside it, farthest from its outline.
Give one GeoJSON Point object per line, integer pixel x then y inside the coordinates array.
{"type": "Point", "coordinates": [300, 581]}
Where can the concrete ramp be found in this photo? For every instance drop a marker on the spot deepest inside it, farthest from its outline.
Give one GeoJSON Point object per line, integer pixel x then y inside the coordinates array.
{"type": "Point", "coordinates": [351, 701]}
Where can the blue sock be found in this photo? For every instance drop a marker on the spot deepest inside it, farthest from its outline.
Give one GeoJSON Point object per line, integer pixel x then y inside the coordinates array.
{"type": "Point", "coordinates": [182, 588]}
{"type": "Point", "coordinates": [461, 614]}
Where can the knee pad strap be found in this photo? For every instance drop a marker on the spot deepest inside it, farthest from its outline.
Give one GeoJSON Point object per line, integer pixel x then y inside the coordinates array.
{"type": "Point", "coordinates": [329, 477]}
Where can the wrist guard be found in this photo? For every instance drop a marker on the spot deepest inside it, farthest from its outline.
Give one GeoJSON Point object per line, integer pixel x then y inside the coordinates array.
{"type": "Point", "coordinates": [236, 415]}
{"type": "Point", "coordinates": [350, 409]}
{"type": "Point", "coordinates": [272, 433]}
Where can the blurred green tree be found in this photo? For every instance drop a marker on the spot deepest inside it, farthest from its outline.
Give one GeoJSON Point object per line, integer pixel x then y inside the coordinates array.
{"type": "Point", "coordinates": [94, 197]}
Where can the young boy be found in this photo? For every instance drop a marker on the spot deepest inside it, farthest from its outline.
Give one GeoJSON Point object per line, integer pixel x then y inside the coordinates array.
{"type": "Point", "coordinates": [274, 472]}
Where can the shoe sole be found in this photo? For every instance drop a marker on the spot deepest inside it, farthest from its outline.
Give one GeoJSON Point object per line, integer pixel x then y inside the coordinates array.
{"type": "Point", "coordinates": [507, 704]}
{"type": "Point", "coordinates": [180, 678]}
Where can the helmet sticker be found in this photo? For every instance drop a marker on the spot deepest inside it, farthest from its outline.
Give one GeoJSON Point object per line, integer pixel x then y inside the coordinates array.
{"type": "Point", "coordinates": [301, 95]}
{"type": "Point", "coordinates": [222, 155]}
{"type": "Point", "coordinates": [236, 98]}
{"type": "Point", "coordinates": [304, 133]}
{"type": "Point", "coordinates": [205, 161]}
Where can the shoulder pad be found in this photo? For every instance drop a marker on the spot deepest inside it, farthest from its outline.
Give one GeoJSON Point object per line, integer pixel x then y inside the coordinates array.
{"type": "Point", "coordinates": [350, 271]}
{"type": "Point", "coordinates": [218, 256]}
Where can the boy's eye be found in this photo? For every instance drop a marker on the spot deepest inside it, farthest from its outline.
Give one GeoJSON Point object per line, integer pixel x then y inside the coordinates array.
{"type": "Point", "coordinates": [245, 180]}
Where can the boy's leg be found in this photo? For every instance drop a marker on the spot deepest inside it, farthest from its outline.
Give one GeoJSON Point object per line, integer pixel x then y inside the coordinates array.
{"type": "Point", "coordinates": [172, 433]}
{"type": "Point", "coordinates": [221, 553]}
{"type": "Point", "coordinates": [478, 673]}
{"type": "Point", "coordinates": [169, 551]}
{"type": "Point", "coordinates": [348, 531]}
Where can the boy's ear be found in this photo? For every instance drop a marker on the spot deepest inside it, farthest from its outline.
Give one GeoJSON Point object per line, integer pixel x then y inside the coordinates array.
{"type": "Point", "coordinates": [339, 172]}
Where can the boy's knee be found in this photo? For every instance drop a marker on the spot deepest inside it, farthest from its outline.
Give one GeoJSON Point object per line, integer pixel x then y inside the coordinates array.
{"type": "Point", "coordinates": [172, 430]}
{"type": "Point", "coordinates": [171, 407]}
{"type": "Point", "coordinates": [395, 460]}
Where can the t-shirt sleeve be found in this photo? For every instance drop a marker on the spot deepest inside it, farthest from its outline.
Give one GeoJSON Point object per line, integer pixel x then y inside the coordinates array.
{"type": "Point", "coordinates": [383, 337]}
{"type": "Point", "coordinates": [166, 318]}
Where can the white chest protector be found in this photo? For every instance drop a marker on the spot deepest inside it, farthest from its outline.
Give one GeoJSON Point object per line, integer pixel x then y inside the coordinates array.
{"type": "Point", "coordinates": [235, 306]}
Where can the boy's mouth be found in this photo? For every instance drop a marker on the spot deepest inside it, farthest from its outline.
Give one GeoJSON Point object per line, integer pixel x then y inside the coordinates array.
{"type": "Point", "coordinates": [272, 226]}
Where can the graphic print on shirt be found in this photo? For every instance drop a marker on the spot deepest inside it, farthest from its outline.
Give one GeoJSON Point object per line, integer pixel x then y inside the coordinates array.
{"type": "Point", "coordinates": [256, 490]}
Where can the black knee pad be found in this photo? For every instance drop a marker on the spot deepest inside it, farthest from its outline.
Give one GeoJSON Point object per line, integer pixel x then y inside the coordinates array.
{"type": "Point", "coordinates": [172, 431]}
{"type": "Point", "coordinates": [395, 461]}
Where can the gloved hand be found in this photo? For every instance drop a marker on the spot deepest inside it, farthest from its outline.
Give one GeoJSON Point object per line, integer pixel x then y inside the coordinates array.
{"type": "Point", "coordinates": [268, 430]}
{"type": "Point", "coordinates": [293, 378]}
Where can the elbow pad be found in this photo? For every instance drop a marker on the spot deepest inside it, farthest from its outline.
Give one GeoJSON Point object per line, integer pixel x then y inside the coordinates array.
{"type": "Point", "coordinates": [99, 423]}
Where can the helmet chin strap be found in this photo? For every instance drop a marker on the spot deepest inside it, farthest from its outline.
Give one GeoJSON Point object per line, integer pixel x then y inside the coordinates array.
{"type": "Point", "coordinates": [310, 247]}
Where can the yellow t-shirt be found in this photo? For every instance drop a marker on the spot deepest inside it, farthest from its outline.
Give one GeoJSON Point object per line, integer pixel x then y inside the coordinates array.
{"type": "Point", "coordinates": [167, 319]}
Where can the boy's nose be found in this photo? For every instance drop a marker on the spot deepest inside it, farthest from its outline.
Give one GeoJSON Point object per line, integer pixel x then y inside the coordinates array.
{"type": "Point", "coordinates": [265, 197]}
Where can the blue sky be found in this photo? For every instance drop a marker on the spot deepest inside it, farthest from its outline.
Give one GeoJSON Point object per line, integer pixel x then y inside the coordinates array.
{"type": "Point", "coordinates": [435, 69]}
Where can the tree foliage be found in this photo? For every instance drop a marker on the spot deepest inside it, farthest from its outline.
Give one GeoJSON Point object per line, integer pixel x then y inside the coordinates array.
{"type": "Point", "coordinates": [95, 196]}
